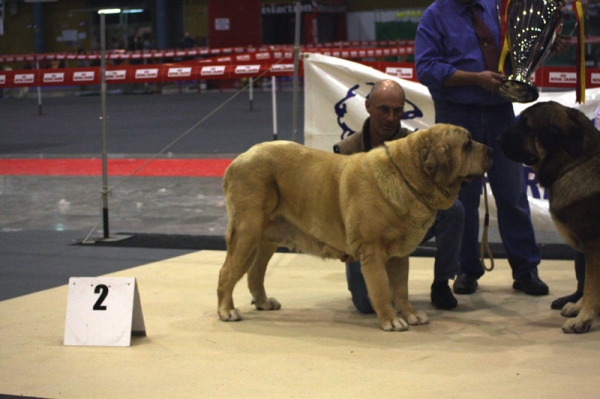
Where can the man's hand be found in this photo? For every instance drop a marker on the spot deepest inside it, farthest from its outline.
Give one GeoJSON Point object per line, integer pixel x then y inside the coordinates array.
{"type": "Point", "coordinates": [561, 45]}
{"type": "Point", "coordinates": [489, 81]}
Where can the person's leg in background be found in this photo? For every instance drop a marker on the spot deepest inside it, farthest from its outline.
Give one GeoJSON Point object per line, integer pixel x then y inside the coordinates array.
{"type": "Point", "coordinates": [448, 231]}
{"type": "Point", "coordinates": [358, 288]}
{"type": "Point", "coordinates": [471, 269]}
{"type": "Point", "coordinates": [507, 181]}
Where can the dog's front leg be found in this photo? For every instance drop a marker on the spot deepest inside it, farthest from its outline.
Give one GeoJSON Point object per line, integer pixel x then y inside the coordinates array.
{"type": "Point", "coordinates": [588, 306]}
{"type": "Point", "coordinates": [397, 271]}
{"type": "Point", "coordinates": [373, 270]}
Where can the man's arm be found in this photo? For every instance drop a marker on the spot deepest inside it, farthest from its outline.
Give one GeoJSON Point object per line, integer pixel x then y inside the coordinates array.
{"type": "Point", "coordinates": [487, 80]}
{"type": "Point", "coordinates": [350, 145]}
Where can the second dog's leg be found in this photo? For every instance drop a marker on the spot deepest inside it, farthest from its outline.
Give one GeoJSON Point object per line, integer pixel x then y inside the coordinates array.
{"type": "Point", "coordinates": [589, 304]}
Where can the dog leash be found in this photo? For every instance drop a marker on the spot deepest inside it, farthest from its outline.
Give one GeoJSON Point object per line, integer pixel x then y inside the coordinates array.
{"type": "Point", "coordinates": [485, 245]}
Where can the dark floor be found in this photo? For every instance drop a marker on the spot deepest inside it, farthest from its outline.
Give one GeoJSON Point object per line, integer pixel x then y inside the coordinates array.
{"type": "Point", "coordinates": [42, 218]}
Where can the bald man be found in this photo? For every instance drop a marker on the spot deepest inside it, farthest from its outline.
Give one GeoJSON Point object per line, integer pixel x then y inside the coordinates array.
{"type": "Point", "coordinates": [385, 105]}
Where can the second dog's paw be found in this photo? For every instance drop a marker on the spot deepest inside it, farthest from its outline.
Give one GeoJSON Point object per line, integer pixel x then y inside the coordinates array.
{"type": "Point", "coordinates": [230, 315]}
{"type": "Point", "coordinates": [269, 304]}
{"type": "Point", "coordinates": [417, 318]}
{"type": "Point", "coordinates": [577, 326]}
{"type": "Point", "coordinates": [394, 324]}
{"type": "Point", "coordinates": [571, 309]}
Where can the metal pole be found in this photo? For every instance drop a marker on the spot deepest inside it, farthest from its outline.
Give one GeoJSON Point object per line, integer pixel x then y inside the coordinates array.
{"type": "Point", "coordinates": [104, 121]}
{"type": "Point", "coordinates": [296, 66]}
{"type": "Point", "coordinates": [251, 92]}
{"type": "Point", "coordinates": [274, 100]}
{"type": "Point", "coordinates": [39, 89]}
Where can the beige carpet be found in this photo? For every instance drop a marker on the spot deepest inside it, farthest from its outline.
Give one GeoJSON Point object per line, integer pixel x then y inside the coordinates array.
{"type": "Point", "coordinates": [497, 343]}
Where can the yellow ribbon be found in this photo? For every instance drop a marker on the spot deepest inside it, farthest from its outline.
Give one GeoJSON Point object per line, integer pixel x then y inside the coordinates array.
{"type": "Point", "coordinates": [580, 55]}
{"type": "Point", "coordinates": [504, 37]}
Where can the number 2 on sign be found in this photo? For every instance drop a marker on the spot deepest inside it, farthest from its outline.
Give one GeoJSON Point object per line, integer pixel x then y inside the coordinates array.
{"type": "Point", "coordinates": [103, 291]}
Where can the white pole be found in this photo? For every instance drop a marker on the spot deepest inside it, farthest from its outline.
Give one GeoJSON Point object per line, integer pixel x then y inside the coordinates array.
{"type": "Point", "coordinates": [104, 154]}
{"type": "Point", "coordinates": [274, 98]}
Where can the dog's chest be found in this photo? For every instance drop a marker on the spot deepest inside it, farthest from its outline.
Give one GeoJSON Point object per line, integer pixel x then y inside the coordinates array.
{"type": "Point", "coordinates": [575, 204]}
{"type": "Point", "coordinates": [409, 238]}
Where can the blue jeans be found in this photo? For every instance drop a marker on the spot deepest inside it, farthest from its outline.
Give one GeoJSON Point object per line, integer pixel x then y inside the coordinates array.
{"type": "Point", "coordinates": [506, 179]}
{"type": "Point", "coordinates": [447, 230]}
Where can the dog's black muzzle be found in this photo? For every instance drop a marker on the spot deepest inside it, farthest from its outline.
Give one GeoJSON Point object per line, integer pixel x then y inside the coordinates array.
{"type": "Point", "coordinates": [512, 144]}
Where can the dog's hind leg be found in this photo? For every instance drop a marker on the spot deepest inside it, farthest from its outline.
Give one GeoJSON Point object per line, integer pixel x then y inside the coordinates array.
{"type": "Point", "coordinates": [241, 252]}
{"type": "Point", "coordinates": [256, 277]}
{"type": "Point", "coordinates": [397, 270]}
{"type": "Point", "coordinates": [588, 306]}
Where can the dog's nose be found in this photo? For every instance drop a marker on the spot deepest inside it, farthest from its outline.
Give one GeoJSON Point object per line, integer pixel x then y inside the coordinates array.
{"type": "Point", "coordinates": [490, 152]}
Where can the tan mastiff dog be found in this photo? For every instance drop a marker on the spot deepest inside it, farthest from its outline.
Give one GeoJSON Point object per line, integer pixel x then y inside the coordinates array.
{"type": "Point", "coordinates": [563, 146]}
{"type": "Point", "coordinates": [374, 206]}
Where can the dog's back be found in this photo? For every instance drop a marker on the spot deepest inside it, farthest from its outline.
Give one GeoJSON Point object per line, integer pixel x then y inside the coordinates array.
{"type": "Point", "coordinates": [272, 183]}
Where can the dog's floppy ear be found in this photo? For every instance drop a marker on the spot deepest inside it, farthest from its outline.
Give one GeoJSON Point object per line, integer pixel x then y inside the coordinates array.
{"type": "Point", "coordinates": [570, 136]}
{"type": "Point", "coordinates": [428, 158]}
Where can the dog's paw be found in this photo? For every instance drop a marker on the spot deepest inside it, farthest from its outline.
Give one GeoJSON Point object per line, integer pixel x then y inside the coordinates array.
{"type": "Point", "coordinates": [394, 324]}
{"type": "Point", "coordinates": [571, 309]}
{"type": "Point", "coordinates": [577, 325]}
{"type": "Point", "coordinates": [269, 304]}
{"type": "Point", "coordinates": [417, 318]}
{"type": "Point", "coordinates": [231, 315]}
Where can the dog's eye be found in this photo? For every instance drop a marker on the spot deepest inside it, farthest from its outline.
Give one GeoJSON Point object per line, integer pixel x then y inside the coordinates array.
{"type": "Point", "coordinates": [468, 145]}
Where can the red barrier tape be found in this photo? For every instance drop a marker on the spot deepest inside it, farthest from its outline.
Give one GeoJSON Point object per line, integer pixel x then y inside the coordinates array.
{"type": "Point", "coordinates": [158, 73]}
{"type": "Point", "coordinates": [227, 51]}
{"type": "Point", "coordinates": [198, 52]}
{"type": "Point", "coordinates": [271, 56]}
{"type": "Point", "coordinates": [555, 77]}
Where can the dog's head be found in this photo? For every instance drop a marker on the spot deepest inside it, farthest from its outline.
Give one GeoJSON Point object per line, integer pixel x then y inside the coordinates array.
{"type": "Point", "coordinates": [547, 135]}
{"type": "Point", "coordinates": [449, 156]}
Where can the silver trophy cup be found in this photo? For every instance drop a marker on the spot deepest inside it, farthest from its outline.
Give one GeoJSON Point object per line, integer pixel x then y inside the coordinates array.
{"type": "Point", "coordinates": [532, 27]}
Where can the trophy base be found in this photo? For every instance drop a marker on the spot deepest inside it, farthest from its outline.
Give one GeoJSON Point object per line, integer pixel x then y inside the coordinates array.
{"type": "Point", "coordinates": [518, 92]}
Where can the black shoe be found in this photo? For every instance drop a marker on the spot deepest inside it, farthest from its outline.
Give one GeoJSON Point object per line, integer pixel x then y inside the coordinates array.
{"type": "Point", "coordinates": [464, 284]}
{"type": "Point", "coordinates": [531, 284]}
{"type": "Point", "coordinates": [441, 295]}
{"type": "Point", "coordinates": [560, 303]}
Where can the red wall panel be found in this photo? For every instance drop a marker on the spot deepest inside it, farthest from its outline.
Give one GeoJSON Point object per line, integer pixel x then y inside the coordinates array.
{"type": "Point", "coordinates": [234, 23]}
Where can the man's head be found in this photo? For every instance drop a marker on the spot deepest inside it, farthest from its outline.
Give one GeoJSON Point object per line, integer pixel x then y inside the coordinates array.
{"type": "Point", "coordinates": [385, 105]}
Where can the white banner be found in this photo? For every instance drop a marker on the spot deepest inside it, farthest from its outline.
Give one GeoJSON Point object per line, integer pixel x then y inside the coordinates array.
{"type": "Point", "coordinates": [335, 91]}
{"type": "Point", "coordinates": [334, 99]}
{"type": "Point", "coordinates": [334, 96]}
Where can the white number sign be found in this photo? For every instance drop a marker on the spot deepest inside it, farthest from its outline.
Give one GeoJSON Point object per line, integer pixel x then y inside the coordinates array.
{"type": "Point", "coordinates": [103, 311]}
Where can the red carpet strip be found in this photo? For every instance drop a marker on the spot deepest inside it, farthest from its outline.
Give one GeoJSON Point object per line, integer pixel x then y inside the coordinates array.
{"type": "Point", "coordinates": [206, 167]}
